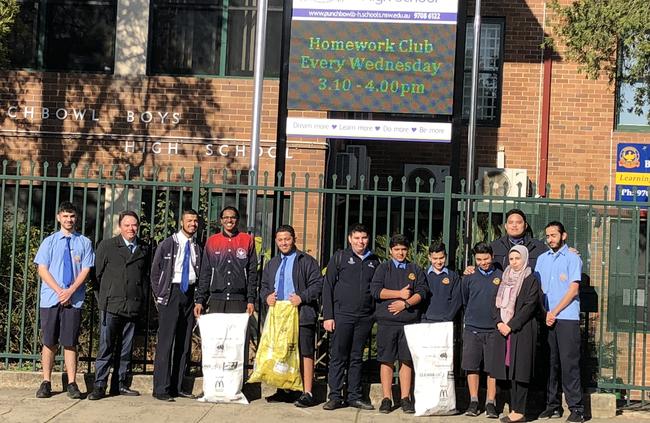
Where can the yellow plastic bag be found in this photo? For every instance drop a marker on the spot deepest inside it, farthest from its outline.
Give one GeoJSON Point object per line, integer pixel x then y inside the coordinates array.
{"type": "Point", "coordinates": [277, 362]}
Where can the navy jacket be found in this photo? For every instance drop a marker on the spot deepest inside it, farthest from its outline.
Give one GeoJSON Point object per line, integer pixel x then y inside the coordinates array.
{"type": "Point", "coordinates": [444, 300]}
{"type": "Point", "coordinates": [307, 283]}
{"type": "Point", "coordinates": [162, 268]}
{"type": "Point", "coordinates": [346, 289]}
{"type": "Point", "coordinates": [479, 296]}
{"type": "Point", "coordinates": [389, 277]}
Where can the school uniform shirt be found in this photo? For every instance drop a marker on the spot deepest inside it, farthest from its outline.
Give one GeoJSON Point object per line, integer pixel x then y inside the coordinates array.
{"type": "Point", "coordinates": [389, 276]}
{"type": "Point", "coordinates": [479, 292]}
{"type": "Point", "coordinates": [557, 271]}
{"type": "Point", "coordinates": [50, 253]}
{"type": "Point", "coordinates": [180, 255]}
{"type": "Point", "coordinates": [444, 300]}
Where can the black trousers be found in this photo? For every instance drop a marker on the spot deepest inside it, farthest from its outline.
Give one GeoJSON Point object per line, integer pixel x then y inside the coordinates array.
{"type": "Point", "coordinates": [116, 334]}
{"type": "Point", "coordinates": [518, 396]}
{"type": "Point", "coordinates": [175, 326]}
{"type": "Point", "coordinates": [346, 353]}
{"type": "Point", "coordinates": [564, 358]}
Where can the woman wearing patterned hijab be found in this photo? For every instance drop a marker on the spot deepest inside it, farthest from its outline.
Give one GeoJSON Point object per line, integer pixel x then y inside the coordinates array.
{"type": "Point", "coordinates": [516, 307]}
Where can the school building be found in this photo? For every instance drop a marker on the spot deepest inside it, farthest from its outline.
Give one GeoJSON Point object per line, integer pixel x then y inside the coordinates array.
{"type": "Point", "coordinates": [168, 84]}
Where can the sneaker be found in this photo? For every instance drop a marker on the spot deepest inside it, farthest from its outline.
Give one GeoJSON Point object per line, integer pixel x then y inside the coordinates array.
{"type": "Point", "coordinates": [575, 417]}
{"type": "Point", "coordinates": [491, 411]}
{"type": "Point", "coordinates": [334, 404]}
{"type": "Point", "coordinates": [45, 390]}
{"type": "Point", "coordinates": [407, 406]}
{"type": "Point", "coordinates": [551, 413]}
{"type": "Point", "coordinates": [73, 391]}
{"type": "Point", "coordinates": [472, 410]}
{"type": "Point", "coordinates": [386, 406]}
{"type": "Point", "coordinates": [305, 400]}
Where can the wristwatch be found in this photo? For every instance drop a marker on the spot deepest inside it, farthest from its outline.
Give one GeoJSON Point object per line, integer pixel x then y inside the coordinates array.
{"type": "Point", "coordinates": [407, 305]}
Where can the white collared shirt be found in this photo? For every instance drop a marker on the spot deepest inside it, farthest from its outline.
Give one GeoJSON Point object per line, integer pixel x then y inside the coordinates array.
{"type": "Point", "coordinates": [180, 253]}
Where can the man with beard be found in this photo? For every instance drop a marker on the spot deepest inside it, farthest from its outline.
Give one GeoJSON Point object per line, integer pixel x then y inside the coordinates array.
{"type": "Point", "coordinates": [174, 273]}
{"type": "Point", "coordinates": [559, 271]}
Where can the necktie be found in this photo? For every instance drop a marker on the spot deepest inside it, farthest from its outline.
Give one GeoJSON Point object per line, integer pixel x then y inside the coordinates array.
{"type": "Point", "coordinates": [185, 272]}
{"type": "Point", "coordinates": [132, 248]}
{"type": "Point", "coordinates": [68, 273]}
{"type": "Point", "coordinates": [280, 290]}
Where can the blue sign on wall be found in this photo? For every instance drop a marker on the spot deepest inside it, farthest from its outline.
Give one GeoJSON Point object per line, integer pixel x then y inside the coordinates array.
{"type": "Point", "coordinates": [632, 172]}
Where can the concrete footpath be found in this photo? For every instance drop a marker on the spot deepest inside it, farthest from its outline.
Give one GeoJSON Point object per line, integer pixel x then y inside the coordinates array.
{"type": "Point", "coordinates": [21, 405]}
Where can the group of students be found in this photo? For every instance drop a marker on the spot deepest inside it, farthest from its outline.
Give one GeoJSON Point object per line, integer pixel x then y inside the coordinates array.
{"type": "Point", "coordinates": [516, 283]}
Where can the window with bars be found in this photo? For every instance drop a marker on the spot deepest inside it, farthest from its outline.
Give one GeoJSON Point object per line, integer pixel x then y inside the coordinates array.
{"type": "Point", "coordinates": [488, 106]}
{"type": "Point", "coordinates": [211, 37]}
{"type": "Point", "coordinates": [64, 35]}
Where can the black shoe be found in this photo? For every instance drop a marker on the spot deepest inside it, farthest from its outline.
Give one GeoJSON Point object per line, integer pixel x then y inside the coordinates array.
{"type": "Point", "coordinates": [551, 413]}
{"type": "Point", "coordinates": [334, 404]}
{"type": "Point", "coordinates": [361, 405]}
{"type": "Point", "coordinates": [128, 392]}
{"type": "Point", "coordinates": [163, 397]}
{"type": "Point", "coordinates": [45, 390]}
{"type": "Point", "coordinates": [472, 410]}
{"type": "Point", "coordinates": [183, 394]}
{"type": "Point", "coordinates": [491, 411]}
{"type": "Point", "coordinates": [506, 419]}
{"type": "Point", "coordinates": [407, 406]}
{"type": "Point", "coordinates": [305, 400]}
{"type": "Point", "coordinates": [576, 417]}
{"type": "Point", "coordinates": [73, 391]}
{"type": "Point", "coordinates": [280, 396]}
{"type": "Point", "coordinates": [97, 394]}
{"type": "Point", "coordinates": [386, 406]}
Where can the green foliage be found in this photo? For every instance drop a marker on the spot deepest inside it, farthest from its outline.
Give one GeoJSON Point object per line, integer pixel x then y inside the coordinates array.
{"type": "Point", "coordinates": [418, 254]}
{"type": "Point", "coordinates": [164, 221]}
{"type": "Point", "coordinates": [596, 31]}
{"type": "Point", "coordinates": [19, 285]}
{"type": "Point", "coordinates": [8, 12]}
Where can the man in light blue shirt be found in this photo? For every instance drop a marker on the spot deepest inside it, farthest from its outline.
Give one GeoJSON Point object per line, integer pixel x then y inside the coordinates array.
{"type": "Point", "coordinates": [64, 261]}
{"type": "Point", "coordinates": [559, 270]}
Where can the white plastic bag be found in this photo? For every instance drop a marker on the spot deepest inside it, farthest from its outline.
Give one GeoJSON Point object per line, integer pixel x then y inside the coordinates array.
{"type": "Point", "coordinates": [223, 339]}
{"type": "Point", "coordinates": [432, 349]}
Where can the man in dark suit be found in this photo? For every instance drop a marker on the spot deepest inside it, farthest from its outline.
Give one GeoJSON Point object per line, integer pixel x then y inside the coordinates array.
{"type": "Point", "coordinates": [174, 274]}
{"type": "Point", "coordinates": [122, 267]}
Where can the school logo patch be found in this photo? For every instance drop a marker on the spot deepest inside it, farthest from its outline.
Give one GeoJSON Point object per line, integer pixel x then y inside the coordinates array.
{"type": "Point", "coordinates": [371, 265]}
{"type": "Point", "coordinates": [411, 276]}
{"type": "Point", "coordinates": [351, 261]}
{"type": "Point", "coordinates": [563, 277]}
{"type": "Point", "coordinates": [445, 281]}
{"type": "Point", "coordinates": [241, 253]}
{"type": "Point", "coordinates": [496, 281]}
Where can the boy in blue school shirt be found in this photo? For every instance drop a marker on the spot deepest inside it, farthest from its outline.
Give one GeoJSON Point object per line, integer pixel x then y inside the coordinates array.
{"type": "Point", "coordinates": [444, 300]}
{"type": "Point", "coordinates": [479, 291]}
{"type": "Point", "coordinates": [64, 260]}
{"type": "Point", "coordinates": [559, 270]}
{"type": "Point", "coordinates": [398, 286]}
